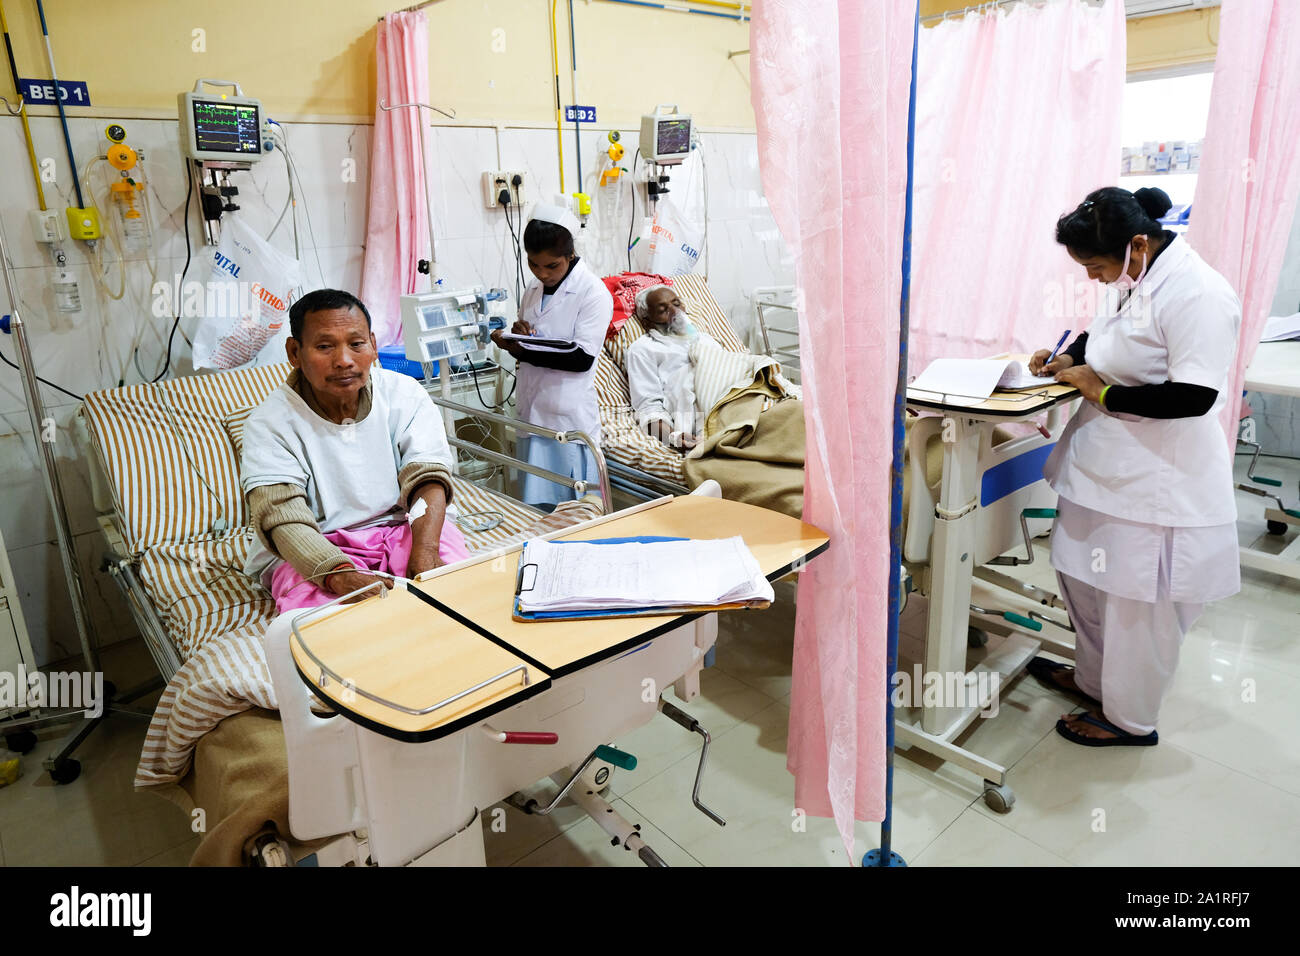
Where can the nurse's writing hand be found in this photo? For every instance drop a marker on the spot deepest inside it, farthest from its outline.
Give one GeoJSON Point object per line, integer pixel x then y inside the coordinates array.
{"type": "Point", "coordinates": [1060, 363]}
{"type": "Point", "coordinates": [506, 344]}
{"type": "Point", "coordinates": [346, 581]}
{"type": "Point", "coordinates": [1085, 380]}
{"type": "Point", "coordinates": [521, 328]}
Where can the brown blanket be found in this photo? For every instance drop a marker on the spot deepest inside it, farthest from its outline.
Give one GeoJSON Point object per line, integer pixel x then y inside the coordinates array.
{"type": "Point", "coordinates": [240, 780]}
{"type": "Point", "coordinates": [756, 456]}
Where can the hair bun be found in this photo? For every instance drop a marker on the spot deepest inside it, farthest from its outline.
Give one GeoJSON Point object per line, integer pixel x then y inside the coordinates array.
{"type": "Point", "coordinates": [1154, 202]}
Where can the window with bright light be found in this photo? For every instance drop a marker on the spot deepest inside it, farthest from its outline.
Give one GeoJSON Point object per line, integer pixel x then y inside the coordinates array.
{"type": "Point", "coordinates": [1166, 110]}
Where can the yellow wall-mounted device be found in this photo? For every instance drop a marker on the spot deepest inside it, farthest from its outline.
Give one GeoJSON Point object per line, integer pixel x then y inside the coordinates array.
{"type": "Point", "coordinates": [83, 224]}
{"type": "Point", "coordinates": [583, 204]}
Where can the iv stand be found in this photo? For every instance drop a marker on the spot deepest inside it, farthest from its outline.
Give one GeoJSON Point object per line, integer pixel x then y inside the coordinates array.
{"type": "Point", "coordinates": [62, 768]}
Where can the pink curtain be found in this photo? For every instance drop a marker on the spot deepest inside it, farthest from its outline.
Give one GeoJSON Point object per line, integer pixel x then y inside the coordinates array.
{"type": "Point", "coordinates": [1250, 164]}
{"type": "Point", "coordinates": [397, 227]}
{"type": "Point", "coordinates": [1018, 118]}
{"type": "Point", "coordinates": [830, 92]}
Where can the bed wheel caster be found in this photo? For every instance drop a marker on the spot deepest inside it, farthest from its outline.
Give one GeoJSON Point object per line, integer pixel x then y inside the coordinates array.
{"type": "Point", "coordinates": [21, 742]}
{"type": "Point", "coordinates": [975, 637]}
{"type": "Point", "coordinates": [1277, 527]}
{"type": "Point", "coordinates": [65, 771]}
{"type": "Point", "coordinates": [999, 797]}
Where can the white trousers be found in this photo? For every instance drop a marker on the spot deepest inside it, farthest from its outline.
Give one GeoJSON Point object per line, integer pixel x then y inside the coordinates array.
{"type": "Point", "coordinates": [1126, 651]}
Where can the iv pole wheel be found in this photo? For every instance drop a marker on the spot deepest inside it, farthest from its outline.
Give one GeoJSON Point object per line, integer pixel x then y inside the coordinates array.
{"type": "Point", "coordinates": [65, 771]}
{"type": "Point", "coordinates": [1277, 527]}
{"type": "Point", "coordinates": [999, 797]}
{"type": "Point", "coordinates": [872, 858]}
{"type": "Point", "coordinates": [21, 741]}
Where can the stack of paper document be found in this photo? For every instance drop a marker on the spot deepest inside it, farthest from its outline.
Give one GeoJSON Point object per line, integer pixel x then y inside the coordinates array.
{"type": "Point", "coordinates": [1279, 328]}
{"type": "Point", "coordinates": [639, 576]}
{"type": "Point", "coordinates": [977, 378]}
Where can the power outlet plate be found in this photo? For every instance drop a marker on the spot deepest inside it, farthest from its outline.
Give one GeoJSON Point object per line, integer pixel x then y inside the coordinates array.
{"type": "Point", "coordinates": [495, 180]}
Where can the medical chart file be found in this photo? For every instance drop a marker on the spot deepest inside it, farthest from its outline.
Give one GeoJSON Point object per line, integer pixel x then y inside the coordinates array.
{"type": "Point", "coordinates": [397, 665]}
{"type": "Point", "coordinates": [482, 595]}
{"type": "Point", "coordinates": [621, 578]}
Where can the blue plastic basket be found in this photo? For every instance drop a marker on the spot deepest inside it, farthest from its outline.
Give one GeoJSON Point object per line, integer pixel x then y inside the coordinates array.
{"type": "Point", "coordinates": [394, 359]}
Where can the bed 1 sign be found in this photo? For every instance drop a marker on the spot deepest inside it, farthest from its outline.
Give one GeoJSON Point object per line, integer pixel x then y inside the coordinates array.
{"type": "Point", "coordinates": [580, 114]}
{"type": "Point", "coordinates": [41, 92]}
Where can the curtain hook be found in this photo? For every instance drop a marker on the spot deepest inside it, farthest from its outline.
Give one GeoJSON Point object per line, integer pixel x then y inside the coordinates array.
{"type": "Point", "coordinates": [9, 106]}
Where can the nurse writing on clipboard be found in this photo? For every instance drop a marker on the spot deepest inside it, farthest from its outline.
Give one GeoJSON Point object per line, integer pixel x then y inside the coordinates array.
{"type": "Point", "coordinates": [566, 301]}
{"type": "Point", "coordinates": [1146, 533]}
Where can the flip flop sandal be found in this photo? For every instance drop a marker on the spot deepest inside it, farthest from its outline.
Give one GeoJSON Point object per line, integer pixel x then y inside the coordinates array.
{"type": "Point", "coordinates": [1045, 670]}
{"type": "Point", "coordinates": [1124, 738]}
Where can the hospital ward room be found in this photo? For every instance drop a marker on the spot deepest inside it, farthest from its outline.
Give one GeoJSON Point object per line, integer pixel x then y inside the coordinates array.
{"type": "Point", "coordinates": [633, 433]}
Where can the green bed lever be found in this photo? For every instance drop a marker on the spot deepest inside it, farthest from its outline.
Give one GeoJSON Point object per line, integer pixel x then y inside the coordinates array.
{"type": "Point", "coordinates": [619, 758]}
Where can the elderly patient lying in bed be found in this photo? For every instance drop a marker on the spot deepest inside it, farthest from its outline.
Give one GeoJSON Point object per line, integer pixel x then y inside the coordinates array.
{"type": "Point", "coordinates": [660, 378]}
{"type": "Point", "coordinates": [346, 468]}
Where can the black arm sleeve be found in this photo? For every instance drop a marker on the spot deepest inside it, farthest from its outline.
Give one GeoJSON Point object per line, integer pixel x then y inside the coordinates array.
{"type": "Point", "coordinates": [574, 361]}
{"type": "Point", "coordinates": [1163, 400]}
{"type": "Point", "coordinates": [1075, 351]}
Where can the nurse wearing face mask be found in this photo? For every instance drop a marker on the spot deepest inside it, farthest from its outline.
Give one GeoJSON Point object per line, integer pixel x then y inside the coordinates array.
{"type": "Point", "coordinates": [1146, 533]}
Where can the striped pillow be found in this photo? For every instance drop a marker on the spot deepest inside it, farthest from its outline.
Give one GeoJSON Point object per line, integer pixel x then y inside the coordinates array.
{"type": "Point", "coordinates": [234, 423]}
{"type": "Point", "coordinates": [167, 455]}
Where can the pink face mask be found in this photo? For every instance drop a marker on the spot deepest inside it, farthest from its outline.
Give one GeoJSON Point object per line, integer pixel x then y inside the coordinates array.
{"type": "Point", "coordinates": [1125, 282]}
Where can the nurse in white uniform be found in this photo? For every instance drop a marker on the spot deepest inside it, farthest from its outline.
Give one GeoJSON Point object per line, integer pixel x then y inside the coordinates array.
{"type": "Point", "coordinates": [1146, 533]}
{"type": "Point", "coordinates": [556, 387]}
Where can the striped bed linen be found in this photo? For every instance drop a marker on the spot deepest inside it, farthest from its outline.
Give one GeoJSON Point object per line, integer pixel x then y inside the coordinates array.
{"type": "Point", "coordinates": [621, 438]}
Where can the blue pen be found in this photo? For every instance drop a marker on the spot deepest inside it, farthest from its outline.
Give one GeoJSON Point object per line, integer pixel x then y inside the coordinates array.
{"type": "Point", "coordinates": [1064, 335]}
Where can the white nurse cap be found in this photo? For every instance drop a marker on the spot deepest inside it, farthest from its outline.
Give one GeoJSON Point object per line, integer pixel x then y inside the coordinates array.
{"type": "Point", "coordinates": [559, 215]}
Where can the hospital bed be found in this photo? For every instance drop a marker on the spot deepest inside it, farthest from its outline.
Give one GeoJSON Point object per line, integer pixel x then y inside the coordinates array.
{"type": "Point", "coordinates": [975, 498]}
{"type": "Point", "coordinates": [165, 480]}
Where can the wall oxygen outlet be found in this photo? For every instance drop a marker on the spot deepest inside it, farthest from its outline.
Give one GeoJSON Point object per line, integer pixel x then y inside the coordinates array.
{"type": "Point", "coordinates": [495, 180]}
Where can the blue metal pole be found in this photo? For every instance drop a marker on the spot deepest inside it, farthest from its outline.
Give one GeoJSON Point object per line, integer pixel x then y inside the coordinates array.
{"type": "Point", "coordinates": [885, 855]}
{"type": "Point", "coordinates": [573, 55]}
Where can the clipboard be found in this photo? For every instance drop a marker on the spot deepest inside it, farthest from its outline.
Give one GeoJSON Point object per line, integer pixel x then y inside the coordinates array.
{"type": "Point", "coordinates": [665, 610]}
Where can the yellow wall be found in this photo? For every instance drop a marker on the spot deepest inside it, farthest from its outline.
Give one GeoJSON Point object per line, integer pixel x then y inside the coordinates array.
{"type": "Point", "coordinates": [315, 59]}
{"type": "Point", "coordinates": [1154, 43]}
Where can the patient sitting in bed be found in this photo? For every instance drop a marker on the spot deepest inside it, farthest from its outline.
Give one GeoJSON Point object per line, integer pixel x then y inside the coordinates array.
{"type": "Point", "coordinates": [346, 469]}
{"type": "Point", "coordinates": [660, 378]}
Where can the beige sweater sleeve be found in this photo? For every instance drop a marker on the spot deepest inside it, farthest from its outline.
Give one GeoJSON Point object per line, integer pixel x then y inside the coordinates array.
{"type": "Point", "coordinates": [286, 526]}
{"type": "Point", "coordinates": [418, 473]}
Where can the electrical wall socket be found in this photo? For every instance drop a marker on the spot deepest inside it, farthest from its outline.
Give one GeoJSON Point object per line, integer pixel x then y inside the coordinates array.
{"type": "Point", "coordinates": [495, 180]}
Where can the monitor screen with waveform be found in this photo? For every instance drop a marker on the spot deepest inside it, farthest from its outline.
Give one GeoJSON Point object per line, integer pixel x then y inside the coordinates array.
{"type": "Point", "coordinates": [232, 128]}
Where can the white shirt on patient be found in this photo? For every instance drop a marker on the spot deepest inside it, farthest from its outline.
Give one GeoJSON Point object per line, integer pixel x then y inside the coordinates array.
{"type": "Point", "coordinates": [349, 472]}
{"type": "Point", "coordinates": [661, 379]}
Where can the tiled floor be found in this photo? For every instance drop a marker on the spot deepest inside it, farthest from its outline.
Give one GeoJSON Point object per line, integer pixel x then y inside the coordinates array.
{"type": "Point", "coordinates": [1222, 787]}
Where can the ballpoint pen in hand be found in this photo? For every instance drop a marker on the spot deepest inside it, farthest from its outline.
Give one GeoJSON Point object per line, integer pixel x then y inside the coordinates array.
{"type": "Point", "coordinates": [1064, 335]}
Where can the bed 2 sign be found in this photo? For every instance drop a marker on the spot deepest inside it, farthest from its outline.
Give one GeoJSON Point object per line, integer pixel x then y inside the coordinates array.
{"type": "Point", "coordinates": [41, 92]}
{"type": "Point", "coordinates": [580, 114]}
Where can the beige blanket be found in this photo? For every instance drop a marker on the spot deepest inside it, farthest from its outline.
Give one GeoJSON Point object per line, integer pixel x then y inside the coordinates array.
{"type": "Point", "coordinates": [753, 446]}
{"type": "Point", "coordinates": [240, 783]}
